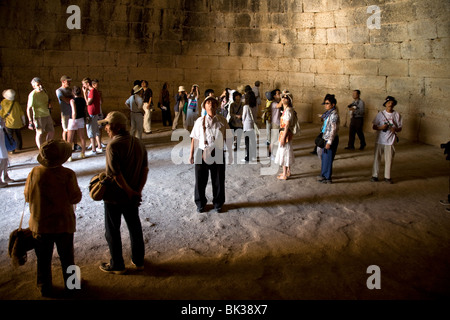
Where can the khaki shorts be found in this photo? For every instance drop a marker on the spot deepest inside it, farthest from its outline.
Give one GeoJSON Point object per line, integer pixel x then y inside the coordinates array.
{"type": "Point", "coordinates": [65, 122]}
{"type": "Point", "coordinates": [44, 124]}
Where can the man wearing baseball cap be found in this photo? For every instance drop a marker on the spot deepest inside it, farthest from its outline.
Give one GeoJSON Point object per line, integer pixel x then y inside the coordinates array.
{"type": "Point", "coordinates": [127, 165]}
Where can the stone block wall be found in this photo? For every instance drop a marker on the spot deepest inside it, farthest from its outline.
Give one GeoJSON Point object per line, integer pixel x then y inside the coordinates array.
{"type": "Point", "coordinates": [311, 47]}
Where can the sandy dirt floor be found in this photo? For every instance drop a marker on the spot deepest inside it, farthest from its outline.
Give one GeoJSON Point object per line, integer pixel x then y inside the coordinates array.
{"type": "Point", "coordinates": [275, 240]}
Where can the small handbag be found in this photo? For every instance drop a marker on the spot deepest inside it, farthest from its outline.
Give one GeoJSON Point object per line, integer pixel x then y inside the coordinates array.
{"type": "Point", "coordinates": [320, 141]}
{"type": "Point", "coordinates": [98, 185]}
{"type": "Point", "coordinates": [20, 242]}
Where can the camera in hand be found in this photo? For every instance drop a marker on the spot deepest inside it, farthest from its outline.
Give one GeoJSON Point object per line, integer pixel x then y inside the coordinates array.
{"type": "Point", "coordinates": [389, 124]}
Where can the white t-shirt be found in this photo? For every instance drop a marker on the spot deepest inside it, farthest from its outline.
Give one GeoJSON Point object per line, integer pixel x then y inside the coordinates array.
{"type": "Point", "coordinates": [394, 119]}
{"type": "Point", "coordinates": [215, 128]}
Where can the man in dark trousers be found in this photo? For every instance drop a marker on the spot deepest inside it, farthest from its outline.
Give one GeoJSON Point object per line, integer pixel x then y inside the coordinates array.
{"type": "Point", "coordinates": [209, 134]}
{"type": "Point", "coordinates": [127, 165]}
{"type": "Point", "coordinates": [356, 122]}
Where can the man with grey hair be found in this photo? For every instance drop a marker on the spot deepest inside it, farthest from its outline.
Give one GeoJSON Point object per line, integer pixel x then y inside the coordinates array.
{"type": "Point", "coordinates": [38, 112]}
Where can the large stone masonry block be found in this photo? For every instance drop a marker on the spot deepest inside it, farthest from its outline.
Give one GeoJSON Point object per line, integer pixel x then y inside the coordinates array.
{"type": "Point", "coordinates": [349, 51]}
{"type": "Point", "coordinates": [186, 62]}
{"type": "Point", "coordinates": [171, 75]}
{"type": "Point", "coordinates": [277, 79]}
{"type": "Point", "coordinates": [303, 20]}
{"type": "Point", "coordinates": [374, 83]}
{"type": "Point", "coordinates": [267, 64]}
{"type": "Point", "coordinates": [440, 48]}
{"type": "Point", "coordinates": [312, 36]}
{"type": "Point", "coordinates": [344, 18]}
{"type": "Point", "coordinates": [358, 34]}
{"type": "Point", "coordinates": [115, 44]}
{"type": "Point", "coordinates": [208, 62]}
{"type": "Point", "coordinates": [437, 68]}
{"type": "Point", "coordinates": [289, 64]}
{"type": "Point", "coordinates": [314, 6]}
{"type": "Point", "coordinates": [396, 12]}
{"type": "Point", "coordinates": [416, 49]}
{"type": "Point", "coordinates": [395, 32]}
{"type": "Point", "coordinates": [194, 48]}
{"type": "Point", "coordinates": [397, 67]}
{"type": "Point", "coordinates": [324, 20]}
{"type": "Point", "coordinates": [361, 66]}
{"type": "Point", "coordinates": [382, 51]}
{"type": "Point", "coordinates": [230, 63]}
{"type": "Point", "coordinates": [402, 85]}
{"type": "Point", "coordinates": [248, 77]}
{"type": "Point", "coordinates": [331, 81]}
{"type": "Point", "coordinates": [422, 29]}
{"type": "Point", "coordinates": [128, 59]}
{"type": "Point", "coordinates": [168, 47]}
{"type": "Point", "coordinates": [324, 51]}
{"type": "Point", "coordinates": [301, 79]}
{"type": "Point", "coordinates": [334, 66]}
{"type": "Point", "coordinates": [301, 51]}
{"type": "Point", "coordinates": [224, 35]}
{"type": "Point", "coordinates": [114, 73]}
{"type": "Point", "coordinates": [249, 63]}
{"type": "Point", "coordinates": [198, 75]}
{"type": "Point", "coordinates": [102, 58]}
{"type": "Point", "coordinates": [240, 49]}
{"type": "Point", "coordinates": [267, 50]}
{"type": "Point", "coordinates": [435, 87]}
{"type": "Point", "coordinates": [21, 57]}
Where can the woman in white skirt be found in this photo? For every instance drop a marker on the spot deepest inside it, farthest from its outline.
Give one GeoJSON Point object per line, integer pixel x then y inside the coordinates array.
{"type": "Point", "coordinates": [285, 152]}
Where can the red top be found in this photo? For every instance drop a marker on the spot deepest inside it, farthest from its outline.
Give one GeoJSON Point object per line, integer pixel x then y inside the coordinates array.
{"type": "Point", "coordinates": [94, 108]}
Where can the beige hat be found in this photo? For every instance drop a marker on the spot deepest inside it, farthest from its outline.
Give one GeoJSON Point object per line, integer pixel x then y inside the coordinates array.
{"type": "Point", "coordinates": [54, 153]}
{"type": "Point", "coordinates": [136, 89]}
{"type": "Point", "coordinates": [65, 78]}
{"type": "Point", "coordinates": [181, 88]}
{"type": "Point", "coordinates": [9, 94]}
{"type": "Point", "coordinates": [209, 98]}
{"type": "Point", "coordinates": [114, 117]}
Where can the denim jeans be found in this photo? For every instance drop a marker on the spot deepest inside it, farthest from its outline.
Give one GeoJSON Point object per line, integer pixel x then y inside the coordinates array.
{"type": "Point", "coordinates": [328, 158]}
{"type": "Point", "coordinates": [113, 215]}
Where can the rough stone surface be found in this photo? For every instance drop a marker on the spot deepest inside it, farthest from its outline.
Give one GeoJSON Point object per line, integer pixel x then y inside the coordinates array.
{"type": "Point", "coordinates": [228, 43]}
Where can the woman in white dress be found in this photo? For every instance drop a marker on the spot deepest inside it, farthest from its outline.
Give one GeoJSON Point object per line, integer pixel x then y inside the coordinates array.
{"type": "Point", "coordinates": [285, 152]}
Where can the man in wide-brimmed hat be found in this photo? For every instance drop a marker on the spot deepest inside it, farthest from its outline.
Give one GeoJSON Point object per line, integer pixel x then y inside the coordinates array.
{"type": "Point", "coordinates": [52, 191]}
{"type": "Point", "coordinates": [135, 103]}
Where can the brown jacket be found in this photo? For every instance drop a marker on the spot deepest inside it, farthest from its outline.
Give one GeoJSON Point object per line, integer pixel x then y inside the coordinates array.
{"type": "Point", "coordinates": [52, 192]}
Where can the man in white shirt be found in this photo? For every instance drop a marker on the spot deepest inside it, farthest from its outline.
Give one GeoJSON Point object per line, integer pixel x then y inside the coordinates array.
{"type": "Point", "coordinates": [387, 123]}
{"type": "Point", "coordinates": [208, 136]}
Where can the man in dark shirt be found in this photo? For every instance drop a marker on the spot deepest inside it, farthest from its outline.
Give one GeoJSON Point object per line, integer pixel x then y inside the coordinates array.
{"type": "Point", "coordinates": [127, 165]}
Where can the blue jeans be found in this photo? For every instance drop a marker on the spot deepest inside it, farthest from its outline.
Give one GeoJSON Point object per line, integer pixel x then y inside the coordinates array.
{"type": "Point", "coordinates": [328, 158]}
{"type": "Point", "coordinates": [113, 215]}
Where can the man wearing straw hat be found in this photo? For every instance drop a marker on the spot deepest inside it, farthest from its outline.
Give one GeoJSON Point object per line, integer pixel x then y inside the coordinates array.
{"type": "Point", "coordinates": [52, 191]}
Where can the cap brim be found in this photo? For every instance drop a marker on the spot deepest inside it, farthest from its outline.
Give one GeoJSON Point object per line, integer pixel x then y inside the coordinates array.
{"type": "Point", "coordinates": [104, 121]}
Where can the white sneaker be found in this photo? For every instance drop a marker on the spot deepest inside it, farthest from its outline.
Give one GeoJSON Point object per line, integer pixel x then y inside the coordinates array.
{"type": "Point", "coordinates": [103, 145]}
{"type": "Point", "coordinates": [99, 150]}
{"type": "Point", "coordinates": [8, 179]}
{"type": "Point", "coordinates": [89, 148]}
{"type": "Point", "coordinates": [91, 153]}
{"type": "Point", "coordinates": [70, 159]}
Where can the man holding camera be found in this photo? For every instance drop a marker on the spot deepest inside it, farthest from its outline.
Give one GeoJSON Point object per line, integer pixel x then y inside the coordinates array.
{"type": "Point", "coordinates": [387, 123]}
{"type": "Point", "coordinates": [357, 122]}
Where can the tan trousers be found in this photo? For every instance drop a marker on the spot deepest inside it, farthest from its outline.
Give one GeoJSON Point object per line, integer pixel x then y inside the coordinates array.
{"type": "Point", "coordinates": [175, 119]}
{"type": "Point", "coordinates": [389, 152]}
